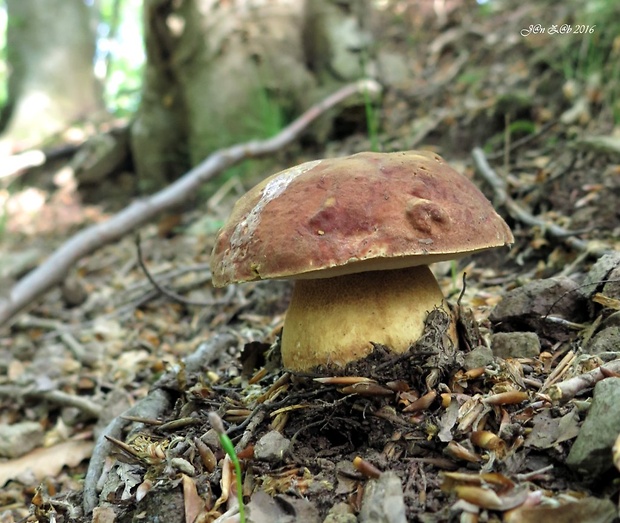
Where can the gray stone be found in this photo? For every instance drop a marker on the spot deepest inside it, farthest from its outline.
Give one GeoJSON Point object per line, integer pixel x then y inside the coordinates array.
{"type": "Point", "coordinates": [280, 509]}
{"type": "Point", "coordinates": [515, 345]}
{"type": "Point", "coordinates": [271, 447]}
{"type": "Point", "coordinates": [613, 320]}
{"type": "Point", "coordinates": [20, 438]}
{"type": "Point", "coordinates": [557, 296]}
{"type": "Point", "coordinates": [590, 454]}
{"type": "Point", "coordinates": [479, 357]}
{"type": "Point", "coordinates": [527, 308]}
{"type": "Point", "coordinates": [607, 340]}
{"type": "Point", "coordinates": [212, 439]}
{"type": "Point", "coordinates": [607, 267]}
{"type": "Point", "coordinates": [383, 501]}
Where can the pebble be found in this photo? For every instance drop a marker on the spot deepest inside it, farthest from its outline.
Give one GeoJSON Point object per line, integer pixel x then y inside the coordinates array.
{"type": "Point", "coordinates": [515, 345]}
{"type": "Point", "coordinates": [383, 500]}
{"type": "Point", "coordinates": [607, 340]}
{"type": "Point", "coordinates": [271, 447]}
{"type": "Point", "coordinates": [20, 438]}
{"type": "Point", "coordinates": [527, 308]}
{"type": "Point", "coordinates": [479, 357]}
{"type": "Point", "coordinates": [591, 454]}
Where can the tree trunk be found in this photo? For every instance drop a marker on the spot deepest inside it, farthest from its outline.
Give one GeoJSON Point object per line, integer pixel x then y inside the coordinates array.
{"type": "Point", "coordinates": [220, 73]}
{"type": "Point", "coordinates": [50, 48]}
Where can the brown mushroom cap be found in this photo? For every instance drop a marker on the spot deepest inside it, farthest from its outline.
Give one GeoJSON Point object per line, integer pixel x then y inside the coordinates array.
{"type": "Point", "coordinates": [366, 212]}
{"type": "Point", "coordinates": [357, 234]}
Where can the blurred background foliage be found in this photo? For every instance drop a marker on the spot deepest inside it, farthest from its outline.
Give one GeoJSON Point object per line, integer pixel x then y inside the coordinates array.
{"type": "Point", "coordinates": [119, 58]}
{"type": "Point", "coordinates": [120, 54]}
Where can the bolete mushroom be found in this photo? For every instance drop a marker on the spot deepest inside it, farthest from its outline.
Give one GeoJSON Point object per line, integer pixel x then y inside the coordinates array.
{"type": "Point", "coordinates": [357, 235]}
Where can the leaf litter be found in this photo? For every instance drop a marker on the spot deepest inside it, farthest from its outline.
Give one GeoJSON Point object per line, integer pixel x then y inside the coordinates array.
{"type": "Point", "coordinates": [440, 437]}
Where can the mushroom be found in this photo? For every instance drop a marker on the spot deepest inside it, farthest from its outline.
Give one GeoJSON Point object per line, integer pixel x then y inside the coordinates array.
{"type": "Point", "coordinates": [357, 235]}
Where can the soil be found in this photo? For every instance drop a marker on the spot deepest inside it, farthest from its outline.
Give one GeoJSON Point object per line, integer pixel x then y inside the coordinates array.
{"type": "Point", "coordinates": [481, 441]}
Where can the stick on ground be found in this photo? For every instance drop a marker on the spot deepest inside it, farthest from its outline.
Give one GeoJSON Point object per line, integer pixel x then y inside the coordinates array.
{"type": "Point", "coordinates": [53, 270]}
{"type": "Point", "coordinates": [520, 214]}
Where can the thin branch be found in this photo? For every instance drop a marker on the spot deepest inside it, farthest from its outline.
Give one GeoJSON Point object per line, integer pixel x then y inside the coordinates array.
{"type": "Point", "coordinates": [568, 389]}
{"type": "Point", "coordinates": [58, 397]}
{"type": "Point", "coordinates": [163, 290]}
{"type": "Point", "coordinates": [520, 214]}
{"type": "Point", "coordinates": [54, 269]}
{"type": "Point", "coordinates": [515, 144]}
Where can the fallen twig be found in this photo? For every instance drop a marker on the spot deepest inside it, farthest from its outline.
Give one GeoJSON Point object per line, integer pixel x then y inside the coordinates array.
{"type": "Point", "coordinates": [55, 268]}
{"type": "Point", "coordinates": [151, 407]}
{"type": "Point", "coordinates": [163, 290]}
{"type": "Point", "coordinates": [568, 389]}
{"type": "Point", "coordinates": [520, 214]}
{"type": "Point", "coordinates": [57, 397]}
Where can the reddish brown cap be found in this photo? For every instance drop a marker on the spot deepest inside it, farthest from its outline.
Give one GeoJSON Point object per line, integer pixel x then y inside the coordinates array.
{"type": "Point", "coordinates": [369, 211]}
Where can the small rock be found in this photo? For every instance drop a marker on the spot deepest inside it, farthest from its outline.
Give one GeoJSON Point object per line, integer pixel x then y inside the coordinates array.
{"type": "Point", "coordinates": [212, 439]}
{"type": "Point", "coordinates": [607, 340]}
{"type": "Point", "coordinates": [73, 291]}
{"type": "Point", "coordinates": [184, 466]}
{"type": "Point", "coordinates": [20, 438]}
{"type": "Point", "coordinates": [271, 447]}
{"type": "Point", "coordinates": [515, 345]}
{"type": "Point", "coordinates": [590, 454]}
{"type": "Point", "coordinates": [479, 357]}
{"type": "Point", "coordinates": [526, 308]}
{"type": "Point", "coordinates": [607, 267]}
{"type": "Point", "coordinates": [280, 509]}
{"type": "Point", "coordinates": [613, 320]}
{"type": "Point", "coordinates": [383, 501]}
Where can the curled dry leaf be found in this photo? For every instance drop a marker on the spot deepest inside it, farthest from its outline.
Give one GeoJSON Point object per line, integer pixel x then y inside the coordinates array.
{"type": "Point", "coordinates": [487, 440]}
{"type": "Point", "coordinates": [616, 453]}
{"type": "Point", "coordinates": [366, 389]}
{"type": "Point", "coordinates": [226, 482]}
{"type": "Point", "coordinates": [143, 489]}
{"type": "Point", "coordinates": [479, 496]}
{"type": "Point", "coordinates": [512, 397]}
{"type": "Point", "coordinates": [193, 503]}
{"type": "Point", "coordinates": [492, 491]}
{"type": "Point", "coordinates": [366, 468]}
{"type": "Point", "coordinates": [454, 479]}
{"type": "Point", "coordinates": [43, 462]}
{"type": "Point", "coordinates": [457, 451]}
{"type": "Point", "coordinates": [422, 403]}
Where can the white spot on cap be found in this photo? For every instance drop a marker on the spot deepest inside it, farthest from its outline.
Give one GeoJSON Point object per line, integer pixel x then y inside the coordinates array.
{"type": "Point", "coordinates": [244, 230]}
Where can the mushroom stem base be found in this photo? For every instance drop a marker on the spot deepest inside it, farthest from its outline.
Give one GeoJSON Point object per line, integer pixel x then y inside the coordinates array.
{"type": "Point", "coordinates": [333, 321]}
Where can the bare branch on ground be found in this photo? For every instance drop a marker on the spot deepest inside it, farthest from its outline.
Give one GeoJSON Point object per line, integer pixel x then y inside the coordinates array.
{"type": "Point", "coordinates": [568, 389]}
{"type": "Point", "coordinates": [53, 270]}
{"type": "Point", "coordinates": [153, 406]}
{"type": "Point", "coordinates": [520, 214]}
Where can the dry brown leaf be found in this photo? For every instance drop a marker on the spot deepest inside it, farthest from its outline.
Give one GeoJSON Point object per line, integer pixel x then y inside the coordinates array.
{"type": "Point", "coordinates": [616, 452]}
{"type": "Point", "coordinates": [586, 510]}
{"type": "Point", "coordinates": [194, 504]}
{"type": "Point", "coordinates": [104, 515]}
{"type": "Point", "coordinates": [606, 301]}
{"type": "Point", "coordinates": [48, 461]}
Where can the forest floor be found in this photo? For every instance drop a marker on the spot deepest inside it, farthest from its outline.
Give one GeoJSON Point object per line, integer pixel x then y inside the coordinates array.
{"type": "Point", "coordinates": [511, 430]}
